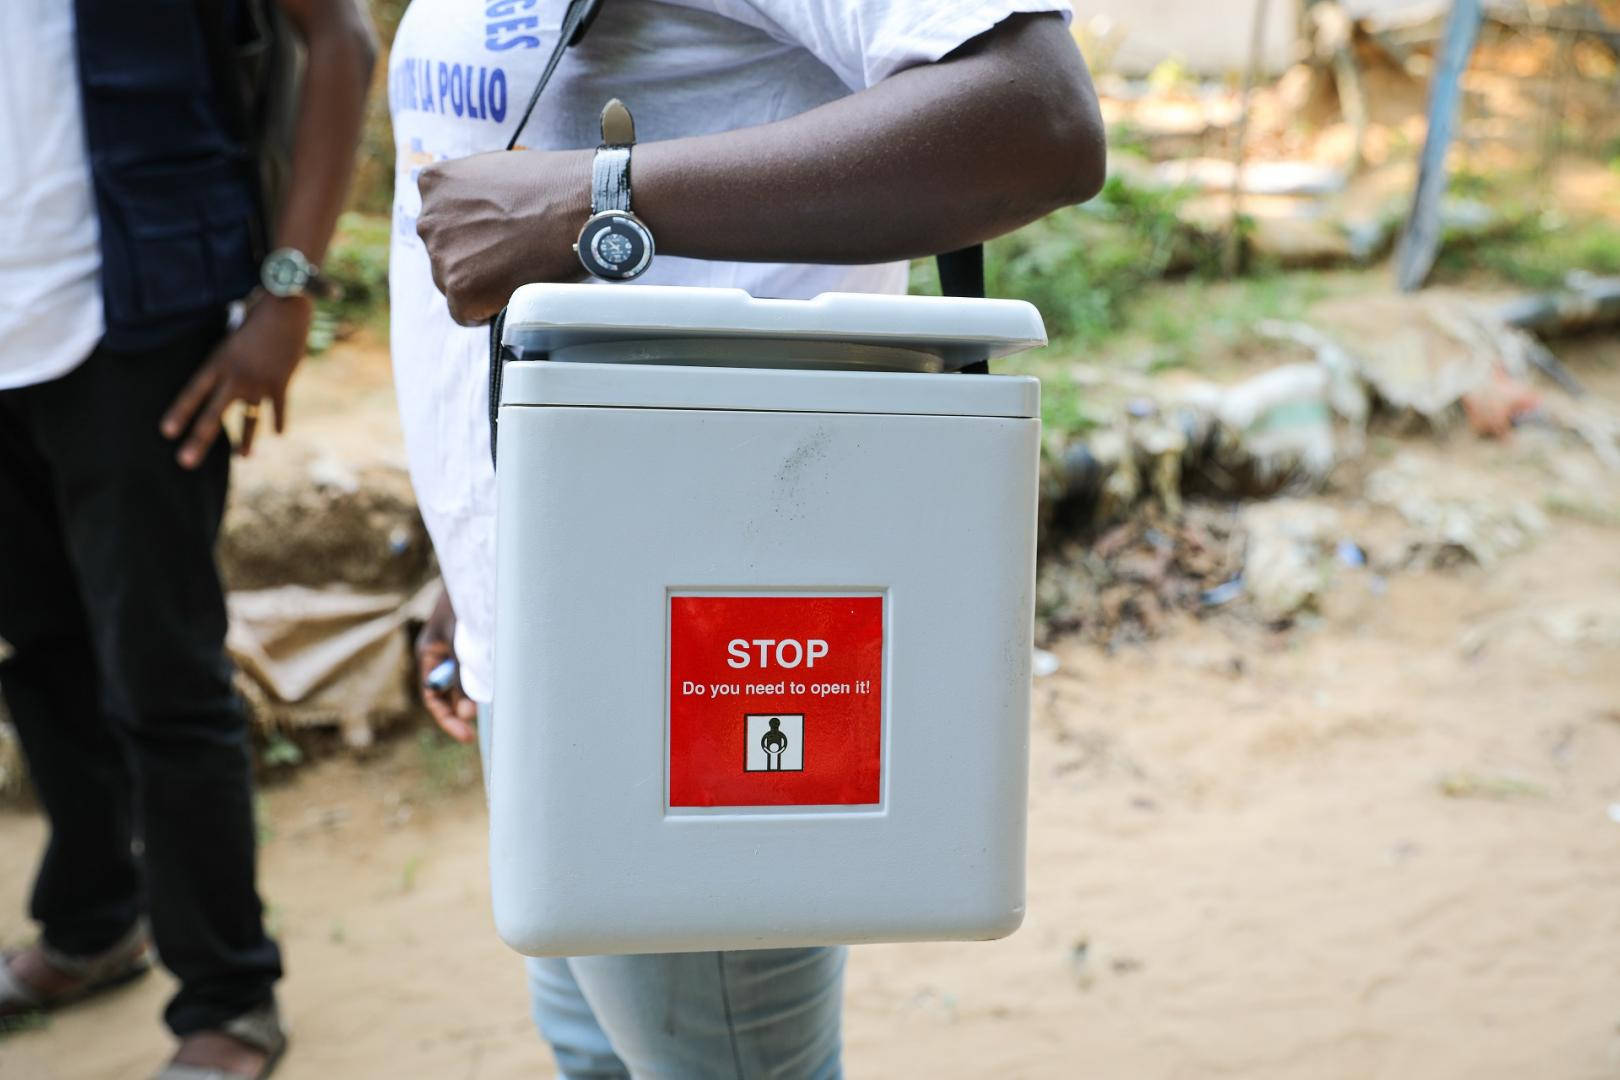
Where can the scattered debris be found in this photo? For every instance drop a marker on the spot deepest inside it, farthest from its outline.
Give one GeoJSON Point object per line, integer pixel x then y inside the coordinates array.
{"type": "Point", "coordinates": [1494, 408]}
{"type": "Point", "coordinates": [1224, 593]}
{"type": "Point", "coordinates": [1422, 355]}
{"type": "Point", "coordinates": [1287, 567]}
{"type": "Point", "coordinates": [1123, 586]}
{"type": "Point", "coordinates": [1453, 512]}
{"type": "Point", "coordinates": [1586, 302]}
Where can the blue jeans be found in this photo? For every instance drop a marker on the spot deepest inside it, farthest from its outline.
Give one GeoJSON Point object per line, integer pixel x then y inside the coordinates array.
{"type": "Point", "coordinates": [765, 1013]}
{"type": "Point", "coordinates": [693, 1016]}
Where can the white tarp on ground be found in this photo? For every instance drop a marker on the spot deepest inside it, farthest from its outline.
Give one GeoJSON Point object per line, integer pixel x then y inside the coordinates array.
{"type": "Point", "coordinates": [326, 657]}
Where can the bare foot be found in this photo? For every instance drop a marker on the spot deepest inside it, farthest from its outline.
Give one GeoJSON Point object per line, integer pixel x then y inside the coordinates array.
{"type": "Point", "coordinates": [217, 1050]}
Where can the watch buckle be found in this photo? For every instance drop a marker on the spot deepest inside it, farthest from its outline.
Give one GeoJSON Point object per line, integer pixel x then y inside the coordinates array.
{"type": "Point", "coordinates": [618, 126]}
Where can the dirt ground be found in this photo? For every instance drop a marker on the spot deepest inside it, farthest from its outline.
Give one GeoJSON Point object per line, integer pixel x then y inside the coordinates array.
{"type": "Point", "coordinates": [1380, 845]}
{"type": "Point", "coordinates": [1384, 843]}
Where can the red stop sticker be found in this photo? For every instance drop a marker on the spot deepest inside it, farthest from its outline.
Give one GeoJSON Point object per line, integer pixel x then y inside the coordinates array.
{"type": "Point", "coordinates": [775, 700]}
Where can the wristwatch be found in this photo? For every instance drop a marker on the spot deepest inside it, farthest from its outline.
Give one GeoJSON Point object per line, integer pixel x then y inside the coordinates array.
{"type": "Point", "coordinates": [614, 244]}
{"type": "Point", "coordinates": [288, 272]}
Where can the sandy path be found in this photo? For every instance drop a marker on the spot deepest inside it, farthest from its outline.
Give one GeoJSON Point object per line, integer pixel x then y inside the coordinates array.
{"type": "Point", "coordinates": [1248, 833]}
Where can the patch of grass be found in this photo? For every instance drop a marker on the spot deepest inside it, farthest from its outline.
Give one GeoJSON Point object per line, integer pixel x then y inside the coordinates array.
{"type": "Point", "coordinates": [264, 830]}
{"type": "Point", "coordinates": [280, 751]}
{"type": "Point", "coordinates": [409, 872]}
{"type": "Point", "coordinates": [1185, 323]}
{"type": "Point", "coordinates": [1537, 252]}
{"type": "Point", "coordinates": [1064, 407]}
{"type": "Point", "coordinates": [1474, 185]}
{"type": "Point", "coordinates": [1127, 137]}
{"type": "Point", "coordinates": [447, 765]}
{"type": "Point", "coordinates": [1083, 266]}
{"type": "Point", "coordinates": [29, 1021]}
{"type": "Point", "coordinates": [1470, 785]}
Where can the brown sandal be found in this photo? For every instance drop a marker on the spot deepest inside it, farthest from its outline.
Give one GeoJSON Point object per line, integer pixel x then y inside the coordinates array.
{"type": "Point", "coordinates": [124, 962]}
{"type": "Point", "coordinates": [261, 1029]}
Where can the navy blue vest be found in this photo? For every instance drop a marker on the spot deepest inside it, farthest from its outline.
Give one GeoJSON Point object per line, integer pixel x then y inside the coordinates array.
{"type": "Point", "coordinates": [175, 180]}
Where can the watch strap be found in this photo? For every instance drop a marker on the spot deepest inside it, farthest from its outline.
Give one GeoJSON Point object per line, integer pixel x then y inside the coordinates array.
{"type": "Point", "coordinates": [610, 179]}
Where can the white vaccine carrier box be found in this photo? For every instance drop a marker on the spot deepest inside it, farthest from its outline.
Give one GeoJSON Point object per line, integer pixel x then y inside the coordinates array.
{"type": "Point", "coordinates": [766, 592]}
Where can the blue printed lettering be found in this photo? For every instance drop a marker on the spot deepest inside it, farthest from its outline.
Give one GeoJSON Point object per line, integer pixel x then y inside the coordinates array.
{"type": "Point", "coordinates": [507, 8]}
{"type": "Point", "coordinates": [497, 95]}
{"type": "Point", "coordinates": [494, 29]}
{"type": "Point", "coordinates": [478, 93]}
{"type": "Point", "coordinates": [425, 77]}
{"type": "Point", "coordinates": [524, 42]}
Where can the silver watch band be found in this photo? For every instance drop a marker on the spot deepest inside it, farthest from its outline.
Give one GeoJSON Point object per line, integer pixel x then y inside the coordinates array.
{"type": "Point", "coordinates": [610, 179]}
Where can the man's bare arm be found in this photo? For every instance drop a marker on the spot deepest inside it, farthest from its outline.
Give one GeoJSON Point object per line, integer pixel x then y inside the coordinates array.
{"type": "Point", "coordinates": [935, 158]}
{"type": "Point", "coordinates": [341, 50]}
{"type": "Point", "coordinates": [257, 360]}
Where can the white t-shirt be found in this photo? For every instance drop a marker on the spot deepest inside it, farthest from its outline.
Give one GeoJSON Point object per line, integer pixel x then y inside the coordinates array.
{"type": "Point", "coordinates": [50, 253]}
{"type": "Point", "coordinates": [459, 75]}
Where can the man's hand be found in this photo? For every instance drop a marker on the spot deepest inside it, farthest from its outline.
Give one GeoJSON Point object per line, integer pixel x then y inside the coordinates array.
{"type": "Point", "coordinates": [454, 712]}
{"type": "Point", "coordinates": [495, 221]}
{"type": "Point", "coordinates": [253, 363]}
{"type": "Point", "coordinates": [934, 158]}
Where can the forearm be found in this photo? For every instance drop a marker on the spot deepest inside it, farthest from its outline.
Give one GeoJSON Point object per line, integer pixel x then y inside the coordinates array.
{"type": "Point", "coordinates": [932, 159]}
{"type": "Point", "coordinates": [340, 54]}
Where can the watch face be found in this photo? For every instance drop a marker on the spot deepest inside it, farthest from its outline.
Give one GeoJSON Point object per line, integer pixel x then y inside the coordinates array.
{"type": "Point", "coordinates": [285, 273]}
{"type": "Point", "coordinates": [615, 245]}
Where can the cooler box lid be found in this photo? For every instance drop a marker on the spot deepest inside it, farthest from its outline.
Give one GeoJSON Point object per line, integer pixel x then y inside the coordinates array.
{"type": "Point", "coordinates": [943, 333]}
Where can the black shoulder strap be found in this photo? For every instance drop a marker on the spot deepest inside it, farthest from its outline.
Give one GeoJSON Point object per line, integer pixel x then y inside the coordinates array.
{"type": "Point", "coordinates": [961, 273]}
{"type": "Point", "coordinates": [576, 21]}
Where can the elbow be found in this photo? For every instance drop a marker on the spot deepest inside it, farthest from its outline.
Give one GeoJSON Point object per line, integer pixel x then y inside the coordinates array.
{"type": "Point", "coordinates": [1078, 163]}
{"type": "Point", "coordinates": [1060, 158]}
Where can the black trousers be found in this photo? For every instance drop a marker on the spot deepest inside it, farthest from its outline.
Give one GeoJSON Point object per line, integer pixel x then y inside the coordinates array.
{"type": "Point", "coordinates": [119, 684]}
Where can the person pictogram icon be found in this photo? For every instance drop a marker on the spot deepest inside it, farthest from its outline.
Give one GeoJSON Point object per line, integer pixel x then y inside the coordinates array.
{"type": "Point", "coordinates": [773, 742]}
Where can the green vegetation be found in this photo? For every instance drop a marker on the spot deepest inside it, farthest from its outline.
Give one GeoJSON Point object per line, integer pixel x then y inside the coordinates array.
{"type": "Point", "coordinates": [29, 1021]}
{"type": "Point", "coordinates": [1536, 251]}
{"type": "Point", "coordinates": [357, 262]}
{"type": "Point", "coordinates": [280, 751]}
{"type": "Point", "coordinates": [447, 765]}
{"type": "Point", "coordinates": [408, 873]}
{"type": "Point", "coordinates": [264, 830]}
{"type": "Point", "coordinates": [1082, 266]}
